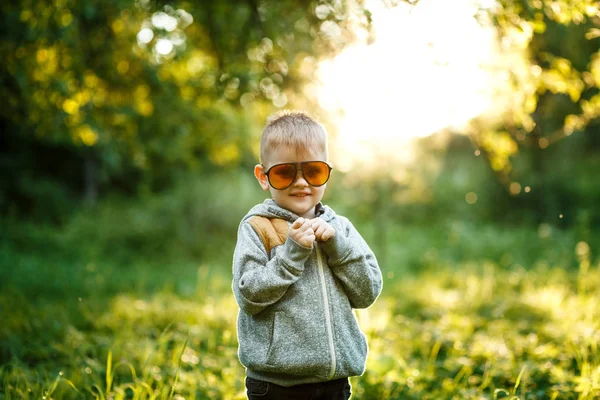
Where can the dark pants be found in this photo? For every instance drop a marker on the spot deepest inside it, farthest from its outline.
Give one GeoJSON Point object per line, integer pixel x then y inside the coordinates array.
{"type": "Point", "coordinates": [332, 390]}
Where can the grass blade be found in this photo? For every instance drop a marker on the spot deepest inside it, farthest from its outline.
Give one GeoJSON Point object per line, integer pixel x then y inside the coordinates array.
{"type": "Point", "coordinates": [109, 377]}
{"type": "Point", "coordinates": [178, 368]}
{"type": "Point", "coordinates": [518, 382]}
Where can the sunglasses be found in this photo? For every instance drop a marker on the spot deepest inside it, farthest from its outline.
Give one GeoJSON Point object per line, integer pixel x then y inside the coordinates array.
{"type": "Point", "coordinates": [282, 176]}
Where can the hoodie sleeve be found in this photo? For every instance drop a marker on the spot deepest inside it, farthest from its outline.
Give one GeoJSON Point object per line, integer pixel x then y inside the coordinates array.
{"type": "Point", "coordinates": [257, 281]}
{"type": "Point", "coordinates": [354, 264]}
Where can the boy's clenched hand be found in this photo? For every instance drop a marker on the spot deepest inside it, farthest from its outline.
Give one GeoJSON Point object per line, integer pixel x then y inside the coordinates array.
{"type": "Point", "coordinates": [302, 232]}
{"type": "Point", "coordinates": [323, 231]}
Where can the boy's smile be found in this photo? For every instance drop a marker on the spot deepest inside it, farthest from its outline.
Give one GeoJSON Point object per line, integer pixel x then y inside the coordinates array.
{"type": "Point", "coordinates": [301, 197]}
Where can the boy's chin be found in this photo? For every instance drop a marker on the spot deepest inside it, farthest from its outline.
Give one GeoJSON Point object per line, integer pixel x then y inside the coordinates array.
{"type": "Point", "coordinates": [303, 211]}
{"type": "Point", "coordinates": [298, 205]}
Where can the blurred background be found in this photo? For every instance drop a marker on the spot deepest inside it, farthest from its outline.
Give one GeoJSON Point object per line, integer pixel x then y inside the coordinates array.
{"type": "Point", "coordinates": [465, 140]}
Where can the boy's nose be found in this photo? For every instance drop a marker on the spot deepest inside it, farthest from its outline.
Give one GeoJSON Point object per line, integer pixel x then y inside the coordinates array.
{"type": "Point", "coordinates": [300, 181]}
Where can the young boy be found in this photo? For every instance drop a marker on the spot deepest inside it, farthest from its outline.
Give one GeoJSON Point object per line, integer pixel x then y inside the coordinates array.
{"type": "Point", "coordinates": [298, 271]}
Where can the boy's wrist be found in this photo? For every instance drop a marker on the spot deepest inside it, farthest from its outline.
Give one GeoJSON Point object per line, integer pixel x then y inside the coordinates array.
{"type": "Point", "coordinates": [334, 247]}
{"type": "Point", "coordinates": [297, 243]}
{"type": "Point", "coordinates": [295, 254]}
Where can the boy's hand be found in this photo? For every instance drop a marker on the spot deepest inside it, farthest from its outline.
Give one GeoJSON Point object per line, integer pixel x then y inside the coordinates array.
{"type": "Point", "coordinates": [323, 231]}
{"type": "Point", "coordinates": [302, 232]}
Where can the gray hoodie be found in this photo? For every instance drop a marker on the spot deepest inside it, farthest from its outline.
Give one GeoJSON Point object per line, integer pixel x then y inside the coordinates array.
{"type": "Point", "coordinates": [296, 323]}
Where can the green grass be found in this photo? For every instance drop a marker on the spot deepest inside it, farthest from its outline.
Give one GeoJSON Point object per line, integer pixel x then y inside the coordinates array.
{"type": "Point", "coordinates": [467, 312]}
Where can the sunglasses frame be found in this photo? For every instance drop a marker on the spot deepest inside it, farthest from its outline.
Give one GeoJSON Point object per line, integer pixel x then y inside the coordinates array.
{"type": "Point", "coordinates": [299, 167]}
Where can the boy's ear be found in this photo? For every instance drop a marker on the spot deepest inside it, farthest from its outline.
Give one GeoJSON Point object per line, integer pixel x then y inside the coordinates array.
{"type": "Point", "coordinates": [259, 173]}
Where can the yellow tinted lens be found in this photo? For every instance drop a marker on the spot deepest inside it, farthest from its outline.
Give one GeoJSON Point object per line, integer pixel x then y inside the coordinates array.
{"type": "Point", "coordinates": [282, 176]}
{"type": "Point", "coordinates": [316, 173]}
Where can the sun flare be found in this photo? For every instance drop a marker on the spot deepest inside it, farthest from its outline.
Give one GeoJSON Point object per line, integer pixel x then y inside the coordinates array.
{"type": "Point", "coordinates": [423, 73]}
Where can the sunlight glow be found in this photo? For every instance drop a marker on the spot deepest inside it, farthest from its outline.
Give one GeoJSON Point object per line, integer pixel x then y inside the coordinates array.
{"type": "Point", "coordinates": [422, 74]}
{"type": "Point", "coordinates": [164, 46]}
{"type": "Point", "coordinates": [145, 35]}
{"type": "Point", "coordinates": [164, 21]}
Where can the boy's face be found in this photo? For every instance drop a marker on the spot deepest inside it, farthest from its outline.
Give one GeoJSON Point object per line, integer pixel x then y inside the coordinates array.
{"type": "Point", "coordinates": [300, 198]}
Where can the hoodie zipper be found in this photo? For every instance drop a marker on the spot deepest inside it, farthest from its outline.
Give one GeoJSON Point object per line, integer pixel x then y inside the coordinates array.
{"type": "Point", "coordinates": [327, 312]}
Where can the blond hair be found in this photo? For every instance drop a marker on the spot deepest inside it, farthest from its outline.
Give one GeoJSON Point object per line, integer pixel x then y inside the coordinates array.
{"type": "Point", "coordinates": [292, 129]}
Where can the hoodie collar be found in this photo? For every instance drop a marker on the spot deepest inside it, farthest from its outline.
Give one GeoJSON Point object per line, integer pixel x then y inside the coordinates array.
{"type": "Point", "coordinates": [270, 209]}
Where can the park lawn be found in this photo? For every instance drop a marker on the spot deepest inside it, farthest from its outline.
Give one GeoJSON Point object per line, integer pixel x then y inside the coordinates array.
{"type": "Point", "coordinates": [475, 330]}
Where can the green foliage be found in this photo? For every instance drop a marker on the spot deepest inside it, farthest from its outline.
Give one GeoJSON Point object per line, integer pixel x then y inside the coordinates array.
{"type": "Point", "coordinates": [467, 332]}
{"type": "Point", "coordinates": [189, 221]}
{"type": "Point", "coordinates": [467, 308]}
{"type": "Point", "coordinates": [198, 216]}
{"type": "Point", "coordinates": [133, 93]}
{"type": "Point", "coordinates": [95, 108]}
{"type": "Point", "coordinates": [129, 297]}
{"type": "Point", "coordinates": [455, 184]}
{"type": "Point", "coordinates": [466, 305]}
{"type": "Point", "coordinates": [558, 84]}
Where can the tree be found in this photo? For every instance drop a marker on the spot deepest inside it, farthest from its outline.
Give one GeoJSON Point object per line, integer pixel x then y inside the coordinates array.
{"type": "Point", "coordinates": [130, 93]}
{"type": "Point", "coordinates": [556, 96]}
{"type": "Point", "coordinates": [557, 87]}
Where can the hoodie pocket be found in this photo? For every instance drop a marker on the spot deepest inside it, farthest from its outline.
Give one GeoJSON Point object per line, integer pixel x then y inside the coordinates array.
{"type": "Point", "coordinates": [296, 347]}
{"type": "Point", "coordinates": [278, 333]}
